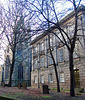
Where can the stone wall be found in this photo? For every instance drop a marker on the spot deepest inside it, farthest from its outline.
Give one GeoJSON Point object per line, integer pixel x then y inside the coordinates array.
{"type": "Point", "coordinates": [62, 67]}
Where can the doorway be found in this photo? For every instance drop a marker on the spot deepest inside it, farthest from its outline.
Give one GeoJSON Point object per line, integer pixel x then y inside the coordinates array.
{"type": "Point", "coordinates": [76, 78]}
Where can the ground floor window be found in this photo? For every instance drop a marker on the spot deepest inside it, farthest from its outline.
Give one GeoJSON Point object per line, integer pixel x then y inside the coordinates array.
{"type": "Point", "coordinates": [50, 78]}
{"type": "Point", "coordinates": [42, 79]}
{"type": "Point", "coordinates": [62, 77]}
{"type": "Point", "coordinates": [35, 79]}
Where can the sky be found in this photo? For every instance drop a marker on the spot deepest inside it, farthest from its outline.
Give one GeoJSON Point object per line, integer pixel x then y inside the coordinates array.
{"type": "Point", "coordinates": [4, 3]}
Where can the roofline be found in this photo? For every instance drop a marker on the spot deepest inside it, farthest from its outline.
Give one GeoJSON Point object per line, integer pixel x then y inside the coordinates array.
{"type": "Point", "coordinates": [81, 8]}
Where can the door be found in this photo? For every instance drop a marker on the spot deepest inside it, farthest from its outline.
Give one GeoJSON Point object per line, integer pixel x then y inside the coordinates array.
{"type": "Point", "coordinates": [77, 78]}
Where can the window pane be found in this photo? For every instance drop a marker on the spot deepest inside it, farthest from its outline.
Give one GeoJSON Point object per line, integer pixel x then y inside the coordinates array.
{"type": "Point", "coordinates": [35, 64]}
{"type": "Point", "coordinates": [60, 37]}
{"type": "Point", "coordinates": [35, 50]}
{"type": "Point", "coordinates": [50, 60]}
{"type": "Point", "coordinates": [35, 79]}
{"type": "Point", "coordinates": [42, 46]}
{"type": "Point", "coordinates": [75, 53]}
{"type": "Point", "coordinates": [42, 79]}
{"type": "Point", "coordinates": [50, 78]}
{"type": "Point", "coordinates": [61, 77]}
{"type": "Point", "coordinates": [42, 61]}
{"type": "Point", "coordinates": [61, 57]}
{"type": "Point", "coordinates": [51, 42]}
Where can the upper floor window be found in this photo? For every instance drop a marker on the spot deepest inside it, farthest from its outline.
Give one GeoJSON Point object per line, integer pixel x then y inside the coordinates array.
{"type": "Point", "coordinates": [71, 30]}
{"type": "Point", "coordinates": [50, 60]}
{"type": "Point", "coordinates": [75, 53]}
{"type": "Point", "coordinates": [35, 50]}
{"type": "Point", "coordinates": [47, 43]}
{"type": "Point", "coordinates": [35, 64]}
{"type": "Point", "coordinates": [61, 77]}
{"type": "Point", "coordinates": [54, 40]}
{"type": "Point", "coordinates": [42, 61]}
{"type": "Point", "coordinates": [51, 41]}
{"type": "Point", "coordinates": [42, 79]}
{"type": "Point", "coordinates": [59, 37]}
{"type": "Point", "coordinates": [50, 78]}
{"type": "Point", "coordinates": [61, 56]}
{"type": "Point", "coordinates": [42, 46]}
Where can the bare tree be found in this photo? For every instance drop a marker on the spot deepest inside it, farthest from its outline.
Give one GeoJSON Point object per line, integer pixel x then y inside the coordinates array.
{"type": "Point", "coordinates": [16, 30]}
{"type": "Point", "coordinates": [51, 53]}
{"type": "Point", "coordinates": [38, 9]}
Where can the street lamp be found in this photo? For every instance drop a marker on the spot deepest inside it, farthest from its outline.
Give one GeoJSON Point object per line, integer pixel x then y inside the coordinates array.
{"type": "Point", "coordinates": [38, 73]}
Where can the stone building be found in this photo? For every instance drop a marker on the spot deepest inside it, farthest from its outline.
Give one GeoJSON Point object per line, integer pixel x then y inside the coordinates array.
{"type": "Point", "coordinates": [7, 64]}
{"type": "Point", "coordinates": [42, 65]}
{"type": "Point", "coordinates": [22, 65]}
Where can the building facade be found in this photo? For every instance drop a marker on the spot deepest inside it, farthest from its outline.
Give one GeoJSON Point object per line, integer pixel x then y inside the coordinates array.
{"type": "Point", "coordinates": [22, 64]}
{"type": "Point", "coordinates": [42, 64]}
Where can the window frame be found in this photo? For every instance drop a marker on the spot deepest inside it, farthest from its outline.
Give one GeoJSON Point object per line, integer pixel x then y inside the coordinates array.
{"type": "Point", "coordinates": [50, 61]}
{"type": "Point", "coordinates": [35, 50]}
{"type": "Point", "coordinates": [35, 79]}
{"type": "Point", "coordinates": [42, 61]}
{"type": "Point", "coordinates": [42, 79]}
{"type": "Point", "coordinates": [61, 55]}
{"type": "Point", "coordinates": [62, 79]}
{"type": "Point", "coordinates": [42, 46]}
{"type": "Point", "coordinates": [35, 64]}
{"type": "Point", "coordinates": [50, 78]}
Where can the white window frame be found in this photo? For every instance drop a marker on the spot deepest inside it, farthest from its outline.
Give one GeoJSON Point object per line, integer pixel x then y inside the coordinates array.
{"type": "Point", "coordinates": [35, 50]}
{"type": "Point", "coordinates": [60, 36]}
{"type": "Point", "coordinates": [42, 78]}
{"type": "Point", "coordinates": [50, 60]}
{"type": "Point", "coordinates": [35, 63]}
{"type": "Point", "coordinates": [50, 78]}
{"type": "Point", "coordinates": [71, 30]}
{"type": "Point", "coordinates": [35, 79]}
{"type": "Point", "coordinates": [42, 62]}
{"type": "Point", "coordinates": [75, 53]}
{"type": "Point", "coordinates": [61, 77]}
{"type": "Point", "coordinates": [61, 55]}
{"type": "Point", "coordinates": [42, 46]}
{"type": "Point", "coordinates": [51, 41]}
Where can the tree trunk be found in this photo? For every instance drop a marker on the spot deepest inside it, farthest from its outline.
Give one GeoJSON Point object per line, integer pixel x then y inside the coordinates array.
{"type": "Point", "coordinates": [71, 66]}
{"type": "Point", "coordinates": [13, 60]}
{"type": "Point", "coordinates": [11, 69]}
{"type": "Point", "coordinates": [56, 73]}
{"type": "Point", "coordinates": [10, 76]}
{"type": "Point", "coordinates": [58, 86]}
